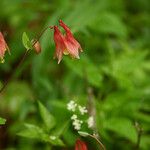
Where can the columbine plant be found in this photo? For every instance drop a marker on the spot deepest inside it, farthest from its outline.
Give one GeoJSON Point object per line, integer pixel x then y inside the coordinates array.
{"type": "Point", "coordinates": [65, 44]}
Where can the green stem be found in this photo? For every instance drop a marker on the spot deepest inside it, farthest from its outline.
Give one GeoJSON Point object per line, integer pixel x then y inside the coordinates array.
{"type": "Point", "coordinates": [98, 141]}
{"type": "Point", "coordinates": [39, 36]}
{"type": "Point", "coordinates": [20, 63]}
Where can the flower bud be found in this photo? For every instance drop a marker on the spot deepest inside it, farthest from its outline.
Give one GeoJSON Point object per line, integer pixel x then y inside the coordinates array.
{"type": "Point", "coordinates": [37, 46]}
{"type": "Point", "coordinates": [80, 145]}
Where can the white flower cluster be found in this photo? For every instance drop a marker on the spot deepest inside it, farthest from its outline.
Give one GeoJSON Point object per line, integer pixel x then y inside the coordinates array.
{"type": "Point", "coordinates": [76, 122]}
{"type": "Point", "coordinates": [72, 106]}
{"type": "Point", "coordinates": [82, 110]}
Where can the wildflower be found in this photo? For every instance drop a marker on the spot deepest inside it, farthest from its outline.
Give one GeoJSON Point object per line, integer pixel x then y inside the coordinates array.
{"type": "Point", "coordinates": [71, 106]}
{"type": "Point", "coordinates": [80, 145]}
{"type": "Point", "coordinates": [90, 121]}
{"type": "Point", "coordinates": [65, 44]}
{"type": "Point", "coordinates": [72, 45]}
{"type": "Point", "coordinates": [77, 124]}
{"type": "Point", "coordinates": [74, 117]}
{"type": "Point", "coordinates": [37, 46]}
{"type": "Point", "coordinates": [3, 47]}
{"type": "Point", "coordinates": [82, 110]}
{"type": "Point", "coordinates": [59, 40]}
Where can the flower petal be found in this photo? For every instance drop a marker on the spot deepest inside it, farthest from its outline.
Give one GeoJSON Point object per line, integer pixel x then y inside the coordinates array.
{"type": "Point", "coordinates": [3, 46]}
{"type": "Point", "coordinates": [59, 40]}
{"type": "Point", "coordinates": [80, 145]}
{"type": "Point", "coordinates": [72, 44]}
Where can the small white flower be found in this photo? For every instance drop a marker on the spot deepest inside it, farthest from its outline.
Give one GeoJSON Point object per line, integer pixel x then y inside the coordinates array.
{"type": "Point", "coordinates": [74, 117]}
{"type": "Point", "coordinates": [71, 106]}
{"type": "Point", "coordinates": [77, 124]}
{"type": "Point", "coordinates": [90, 121]}
{"type": "Point", "coordinates": [82, 110]}
{"type": "Point", "coordinates": [52, 137]}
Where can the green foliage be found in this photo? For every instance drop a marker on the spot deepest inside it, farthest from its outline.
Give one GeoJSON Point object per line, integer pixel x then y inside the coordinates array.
{"type": "Point", "coordinates": [36, 132]}
{"type": "Point", "coordinates": [26, 41]}
{"type": "Point", "coordinates": [91, 73]}
{"type": "Point", "coordinates": [40, 134]}
{"type": "Point", "coordinates": [48, 119]}
{"type": "Point", "coordinates": [2, 121]}
{"type": "Point", "coordinates": [122, 127]}
{"type": "Point", "coordinates": [109, 23]}
{"type": "Point", "coordinates": [115, 64]}
{"type": "Point", "coordinates": [33, 131]}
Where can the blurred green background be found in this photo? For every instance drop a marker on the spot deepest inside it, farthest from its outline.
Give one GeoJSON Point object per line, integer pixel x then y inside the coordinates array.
{"type": "Point", "coordinates": [115, 64]}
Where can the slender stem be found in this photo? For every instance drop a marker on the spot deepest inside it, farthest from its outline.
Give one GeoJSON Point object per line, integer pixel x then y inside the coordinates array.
{"type": "Point", "coordinates": [20, 63]}
{"type": "Point", "coordinates": [22, 60]}
{"type": "Point", "coordinates": [98, 141]}
{"type": "Point", "coordinates": [139, 134]}
{"type": "Point", "coordinates": [39, 36]}
{"type": "Point", "coordinates": [92, 112]}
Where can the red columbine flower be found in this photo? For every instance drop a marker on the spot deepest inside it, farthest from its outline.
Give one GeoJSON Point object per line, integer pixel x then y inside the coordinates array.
{"type": "Point", "coordinates": [3, 47]}
{"type": "Point", "coordinates": [65, 44]}
{"type": "Point", "coordinates": [80, 145]}
{"type": "Point", "coordinates": [72, 44]}
{"type": "Point", "coordinates": [59, 40]}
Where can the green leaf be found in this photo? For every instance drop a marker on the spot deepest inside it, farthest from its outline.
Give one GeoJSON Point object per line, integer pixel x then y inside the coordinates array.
{"type": "Point", "coordinates": [122, 127]}
{"type": "Point", "coordinates": [145, 142]}
{"type": "Point", "coordinates": [35, 132]}
{"type": "Point", "coordinates": [26, 41]}
{"type": "Point", "coordinates": [84, 134]}
{"type": "Point", "coordinates": [55, 141]}
{"type": "Point", "coordinates": [110, 23]}
{"type": "Point", "coordinates": [32, 131]}
{"type": "Point", "coordinates": [48, 119]}
{"type": "Point", "coordinates": [2, 121]}
{"type": "Point", "coordinates": [91, 73]}
{"type": "Point", "coordinates": [59, 131]}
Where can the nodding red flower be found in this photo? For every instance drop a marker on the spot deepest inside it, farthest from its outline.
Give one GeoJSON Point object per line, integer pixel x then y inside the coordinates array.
{"type": "Point", "coordinates": [3, 47]}
{"type": "Point", "coordinates": [65, 44]}
{"type": "Point", "coordinates": [59, 40]}
{"type": "Point", "coordinates": [80, 145]}
{"type": "Point", "coordinates": [73, 46]}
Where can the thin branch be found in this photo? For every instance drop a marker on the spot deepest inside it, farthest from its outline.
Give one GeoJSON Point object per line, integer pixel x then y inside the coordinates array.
{"type": "Point", "coordinates": [39, 36]}
{"type": "Point", "coordinates": [98, 141]}
{"type": "Point", "coordinates": [11, 76]}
